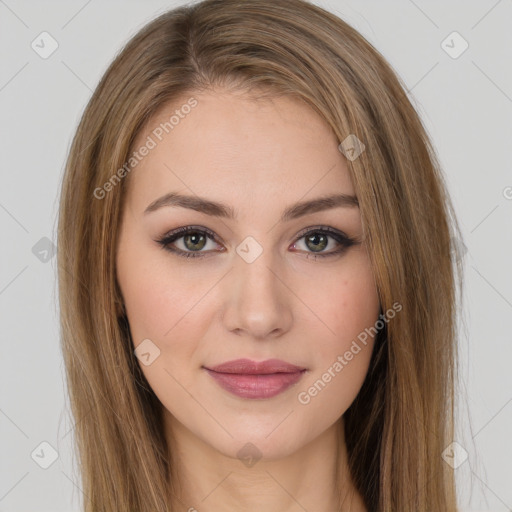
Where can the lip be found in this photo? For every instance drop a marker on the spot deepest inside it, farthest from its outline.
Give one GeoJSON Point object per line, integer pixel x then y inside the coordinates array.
{"type": "Point", "coordinates": [256, 380]}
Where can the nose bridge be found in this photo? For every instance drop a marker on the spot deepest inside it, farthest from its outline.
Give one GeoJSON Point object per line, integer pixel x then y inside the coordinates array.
{"type": "Point", "coordinates": [256, 301]}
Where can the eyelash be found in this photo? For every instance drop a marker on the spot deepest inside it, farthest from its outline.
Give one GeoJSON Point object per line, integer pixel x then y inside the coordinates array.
{"type": "Point", "coordinates": [341, 238]}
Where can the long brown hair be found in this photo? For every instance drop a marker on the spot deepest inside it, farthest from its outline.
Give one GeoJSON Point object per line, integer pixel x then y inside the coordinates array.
{"type": "Point", "coordinates": [402, 419]}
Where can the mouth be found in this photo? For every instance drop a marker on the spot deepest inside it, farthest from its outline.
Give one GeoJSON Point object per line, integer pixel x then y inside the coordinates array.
{"type": "Point", "coordinates": [255, 380]}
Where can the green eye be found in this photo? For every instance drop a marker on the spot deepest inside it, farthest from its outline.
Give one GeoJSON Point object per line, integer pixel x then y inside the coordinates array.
{"type": "Point", "coordinates": [317, 242]}
{"type": "Point", "coordinates": [194, 239]}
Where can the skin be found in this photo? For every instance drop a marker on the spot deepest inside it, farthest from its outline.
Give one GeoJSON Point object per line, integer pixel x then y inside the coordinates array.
{"type": "Point", "coordinates": [258, 156]}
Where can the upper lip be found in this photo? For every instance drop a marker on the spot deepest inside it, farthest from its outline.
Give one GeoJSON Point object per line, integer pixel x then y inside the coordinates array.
{"type": "Point", "coordinates": [249, 367]}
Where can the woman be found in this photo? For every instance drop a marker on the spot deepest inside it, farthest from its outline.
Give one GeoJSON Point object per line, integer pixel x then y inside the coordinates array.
{"type": "Point", "coordinates": [256, 277]}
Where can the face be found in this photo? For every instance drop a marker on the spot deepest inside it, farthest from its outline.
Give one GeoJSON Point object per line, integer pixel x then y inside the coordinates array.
{"type": "Point", "coordinates": [245, 295]}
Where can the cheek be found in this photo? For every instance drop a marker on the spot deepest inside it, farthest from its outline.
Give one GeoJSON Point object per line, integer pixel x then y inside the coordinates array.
{"type": "Point", "coordinates": [163, 306]}
{"type": "Point", "coordinates": [159, 301]}
{"type": "Point", "coordinates": [348, 307]}
{"type": "Point", "coordinates": [343, 299]}
{"type": "Point", "coordinates": [353, 306]}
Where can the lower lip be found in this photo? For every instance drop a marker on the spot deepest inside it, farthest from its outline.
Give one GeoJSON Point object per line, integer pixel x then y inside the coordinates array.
{"type": "Point", "coordinates": [255, 386]}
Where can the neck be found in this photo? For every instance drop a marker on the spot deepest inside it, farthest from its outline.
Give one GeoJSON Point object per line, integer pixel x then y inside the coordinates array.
{"type": "Point", "coordinates": [316, 477]}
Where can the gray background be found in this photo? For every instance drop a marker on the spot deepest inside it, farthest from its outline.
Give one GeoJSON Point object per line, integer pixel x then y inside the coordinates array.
{"type": "Point", "coordinates": [466, 105]}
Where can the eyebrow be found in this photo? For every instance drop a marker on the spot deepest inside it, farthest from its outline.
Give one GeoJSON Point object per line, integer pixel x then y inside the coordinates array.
{"type": "Point", "coordinates": [222, 210]}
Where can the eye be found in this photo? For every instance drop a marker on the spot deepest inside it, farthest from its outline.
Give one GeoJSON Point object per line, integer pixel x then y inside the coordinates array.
{"type": "Point", "coordinates": [189, 241]}
{"type": "Point", "coordinates": [198, 242]}
{"type": "Point", "coordinates": [317, 240]}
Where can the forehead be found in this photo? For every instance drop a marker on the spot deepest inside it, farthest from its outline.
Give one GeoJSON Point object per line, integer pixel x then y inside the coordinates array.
{"type": "Point", "coordinates": [235, 146]}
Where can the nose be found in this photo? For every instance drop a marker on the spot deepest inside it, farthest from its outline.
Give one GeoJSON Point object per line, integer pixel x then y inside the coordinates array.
{"type": "Point", "coordinates": [257, 301]}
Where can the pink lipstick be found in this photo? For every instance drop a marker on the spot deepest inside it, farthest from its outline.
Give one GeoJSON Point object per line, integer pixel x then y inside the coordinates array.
{"type": "Point", "coordinates": [256, 380]}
